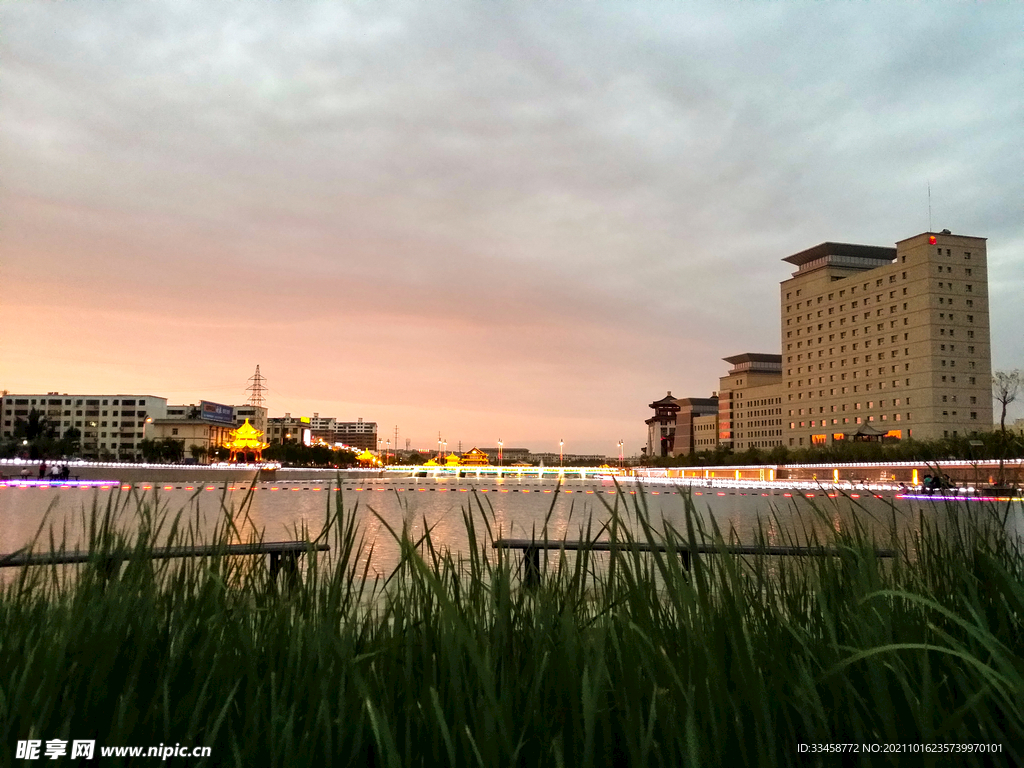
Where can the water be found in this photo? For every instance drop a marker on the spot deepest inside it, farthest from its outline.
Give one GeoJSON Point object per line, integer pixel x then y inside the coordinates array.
{"type": "Point", "coordinates": [516, 508]}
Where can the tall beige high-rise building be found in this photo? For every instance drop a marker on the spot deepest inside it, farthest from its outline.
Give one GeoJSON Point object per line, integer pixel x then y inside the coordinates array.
{"type": "Point", "coordinates": [891, 341]}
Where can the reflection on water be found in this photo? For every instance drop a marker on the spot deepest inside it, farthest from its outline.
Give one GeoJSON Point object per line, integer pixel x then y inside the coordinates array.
{"type": "Point", "coordinates": [514, 508]}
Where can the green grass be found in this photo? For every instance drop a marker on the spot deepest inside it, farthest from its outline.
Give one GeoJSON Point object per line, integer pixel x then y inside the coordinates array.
{"type": "Point", "coordinates": [616, 658]}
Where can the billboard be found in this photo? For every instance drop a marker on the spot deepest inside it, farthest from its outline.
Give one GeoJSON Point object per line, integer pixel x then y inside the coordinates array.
{"type": "Point", "coordinates": [222, 414]}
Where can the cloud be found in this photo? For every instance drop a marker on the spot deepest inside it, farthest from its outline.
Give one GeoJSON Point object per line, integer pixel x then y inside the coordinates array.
{"type": "Point", "coordinates": [530, 206]}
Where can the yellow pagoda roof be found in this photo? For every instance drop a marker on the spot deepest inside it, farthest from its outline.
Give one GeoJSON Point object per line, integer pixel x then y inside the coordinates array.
{"type": "Point", "coordinates": [453, 459]}
{"type": "Point", "coordinates": [366, 456]}
{"type": "Point", "coordinates": [430, 463]}
{"type": "Point", "coordinates": [246, 436]}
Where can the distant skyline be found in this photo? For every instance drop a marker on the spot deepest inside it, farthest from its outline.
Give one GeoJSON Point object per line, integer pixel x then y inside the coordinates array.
{"type": "Point", "coordinates": [492, 220]}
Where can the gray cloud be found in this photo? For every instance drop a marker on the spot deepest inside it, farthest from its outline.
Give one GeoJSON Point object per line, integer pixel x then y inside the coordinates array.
{"type": "Point", "coordinates": [587, 203]}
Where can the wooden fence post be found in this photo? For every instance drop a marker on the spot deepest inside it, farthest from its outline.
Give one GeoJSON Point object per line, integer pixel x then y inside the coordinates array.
{"type": "Point", "coordinates": [531, 566]}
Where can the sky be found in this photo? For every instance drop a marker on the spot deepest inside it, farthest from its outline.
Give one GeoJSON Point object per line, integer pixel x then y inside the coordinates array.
{"type": "Point", "coordinates": [489, 220]}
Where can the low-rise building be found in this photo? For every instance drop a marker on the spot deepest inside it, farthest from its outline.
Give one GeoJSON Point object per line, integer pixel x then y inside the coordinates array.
{"type": "Point", "coordinates": [198, 437]}
{"type": "Point", "coordinates": [690, 409]}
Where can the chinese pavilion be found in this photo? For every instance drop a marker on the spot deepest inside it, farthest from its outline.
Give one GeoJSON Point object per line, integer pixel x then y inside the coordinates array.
{"type": "Point", "coordinates": [245, 442]}
{"type": "Point", "coordinates": [475, 458]}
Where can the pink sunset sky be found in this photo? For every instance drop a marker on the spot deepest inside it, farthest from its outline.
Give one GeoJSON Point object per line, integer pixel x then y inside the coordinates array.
{"type": "Point", "coordinates": [488, 220]}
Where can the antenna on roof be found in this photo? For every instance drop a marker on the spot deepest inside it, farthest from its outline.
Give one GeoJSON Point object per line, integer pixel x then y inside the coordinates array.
{"type": "Point", "coordinates": [929, 206]}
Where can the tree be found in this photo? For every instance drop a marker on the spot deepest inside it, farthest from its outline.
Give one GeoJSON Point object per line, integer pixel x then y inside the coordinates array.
{"type": "Point", "coordinates": [1005, 388]}
{"type": "Point", "coordinates": [69, 441]}
{"type": "Point", "coordinates": [150, 450]}
{"type": "Point", "coordinates": [172, 450]}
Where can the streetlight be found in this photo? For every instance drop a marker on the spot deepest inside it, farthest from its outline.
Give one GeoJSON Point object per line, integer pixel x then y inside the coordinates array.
{"type": "Point", "coordinates": [620, 454]}
{"type": "Point", "coordinates": [561, 455]}
{"type": "Point", "coordinates": [387, 456]}
{"type": "Point", "coordinates": [975, 444]}
{"type": "Point", "coordinates": [499, 451]}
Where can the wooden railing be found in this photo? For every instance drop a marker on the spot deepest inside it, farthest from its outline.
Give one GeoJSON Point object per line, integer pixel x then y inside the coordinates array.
{"type": "Point", "coordinates": [284, 556]}
{"type": "Point", "coordinates": [532, 548]}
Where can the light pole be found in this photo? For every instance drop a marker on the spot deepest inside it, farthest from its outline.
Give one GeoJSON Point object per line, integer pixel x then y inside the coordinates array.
{"type": "Point", "coordinates": [499, 452]}
{"type": "Point", "coordinates": [975, 444]}
{"type": "Point", "coordinates": [387, 456]}
{"type": "Point", "coordinates": [561, 453]}
{"type": "Point", "coordinates": [620, 454]}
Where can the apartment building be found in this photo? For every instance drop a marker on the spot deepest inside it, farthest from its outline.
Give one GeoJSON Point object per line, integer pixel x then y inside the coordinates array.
{"type": "Point", "coordinates": [110, 426]}
{"type": "Point", "coordinates": [887, 341]}
{"type": "Point", "coordinates": [355, 434]}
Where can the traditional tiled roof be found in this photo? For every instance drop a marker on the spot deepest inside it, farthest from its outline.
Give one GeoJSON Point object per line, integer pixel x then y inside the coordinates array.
{"type": "Point", "coordinates": [246, 437]}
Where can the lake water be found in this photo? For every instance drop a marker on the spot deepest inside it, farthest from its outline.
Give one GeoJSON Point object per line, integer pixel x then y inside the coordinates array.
{"type": "Point", "coordinates": [516, 508]}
